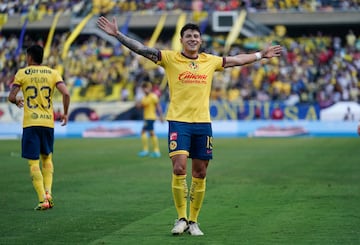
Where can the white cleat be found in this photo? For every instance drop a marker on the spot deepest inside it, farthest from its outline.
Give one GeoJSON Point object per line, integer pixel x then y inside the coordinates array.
{"type": "Point", "coordinates": [194, 229]}
{"type": "Point", "coordinates": [180, 226]}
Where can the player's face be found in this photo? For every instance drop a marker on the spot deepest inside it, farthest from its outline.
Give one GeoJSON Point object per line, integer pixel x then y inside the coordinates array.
{"type": "Point", "coordinates": [191, 41]}
{"type": "Point", "coordinates": [147, 90]}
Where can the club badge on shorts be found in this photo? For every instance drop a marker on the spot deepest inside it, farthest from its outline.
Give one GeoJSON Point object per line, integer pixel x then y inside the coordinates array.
{"type": "Point", "coordinates": [172, 145]}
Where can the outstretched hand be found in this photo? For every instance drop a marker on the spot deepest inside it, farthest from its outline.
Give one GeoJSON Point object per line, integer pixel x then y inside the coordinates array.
{"type": "Point", "coordinates": [110, 27]}
{"type": "Point", "coordinates": [271, 51]}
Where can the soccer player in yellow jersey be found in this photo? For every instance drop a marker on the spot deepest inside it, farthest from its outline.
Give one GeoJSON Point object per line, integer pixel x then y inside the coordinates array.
{"type": "Point", "coordinates": [151, 106]}
{"type": "Point", "coordinates": [37, 83]}
{"type": "Point", "coordinates": [189, 74]}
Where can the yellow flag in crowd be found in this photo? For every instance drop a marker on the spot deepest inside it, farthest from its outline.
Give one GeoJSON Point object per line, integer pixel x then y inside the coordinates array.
{"type": "Point", "coordinates": [157, 31]}
{"type": "Point", "coordinates": [51, 35]}
{"type": "Point", "coordinates": [3, 20]}
{"type": "Point", "coordinates": [74, 34]}
{"type": "Point", "coordinates": [176, 45]}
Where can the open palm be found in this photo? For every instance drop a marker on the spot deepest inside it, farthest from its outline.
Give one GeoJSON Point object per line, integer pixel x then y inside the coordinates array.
{"type": "Point", "coordinates": [272, 51]}
{"type": "Point", "coordinates": [110, 27]}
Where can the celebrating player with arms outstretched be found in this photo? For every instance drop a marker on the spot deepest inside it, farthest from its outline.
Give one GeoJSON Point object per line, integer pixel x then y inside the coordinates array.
{"type": "Point", "coordinates": [189, 74]}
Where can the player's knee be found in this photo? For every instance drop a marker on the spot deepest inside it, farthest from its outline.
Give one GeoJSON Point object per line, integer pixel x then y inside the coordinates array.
{"type": "Point", "coordinates": [179, 168]}
{"type": "Point", "coordinates": [34, 166]}
{"type": "Point", "coordinates": [35, 172]}
{"type": "Point", "coordinates": [47, 162]}
{"type": "Point", "coordinates": [179, 164]}
{"type": "Point", "coordinates": [201, 174]}
{"type": "Point", "coordinates": [199, 168]}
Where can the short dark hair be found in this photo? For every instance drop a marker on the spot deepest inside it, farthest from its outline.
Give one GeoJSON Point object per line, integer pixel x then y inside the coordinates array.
{"type": "Point", "coordinates": [189, 26]}
{"type": "Point", "coordinates": [36, 52]}
{"type": "Point", "coordinates": [146, 84]}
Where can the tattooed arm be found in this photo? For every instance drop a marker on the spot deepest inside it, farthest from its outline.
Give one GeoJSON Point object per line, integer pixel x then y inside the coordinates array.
{"type": "Point", "coordinates": [18, 101]}
{"type": "Point", "coordinates": [111, 28]}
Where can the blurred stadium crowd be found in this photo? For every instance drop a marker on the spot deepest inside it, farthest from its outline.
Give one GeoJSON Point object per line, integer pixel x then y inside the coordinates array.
{"type": "Point", "coordinates": [118, 6]}
{"type": "Point", "coordinates": [318, 68]}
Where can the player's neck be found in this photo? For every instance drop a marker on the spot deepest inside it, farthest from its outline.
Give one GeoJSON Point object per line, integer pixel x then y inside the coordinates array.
{"type": "Point", "coordinates": [190, 55]}
{"type": "Point", "coordinates": [33, 64]}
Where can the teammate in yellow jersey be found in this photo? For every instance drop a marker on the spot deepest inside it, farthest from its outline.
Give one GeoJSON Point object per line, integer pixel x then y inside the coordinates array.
{"type": "Point", "coordinates": [189, 74]}
{"type": "Point", "coordinates": [38, 83]}
{"type": "Point", "coordinates": [151, 106]}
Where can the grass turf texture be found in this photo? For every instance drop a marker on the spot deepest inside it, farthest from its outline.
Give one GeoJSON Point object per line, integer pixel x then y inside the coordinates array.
{"type": "Point", "coordinates": [259, 191]}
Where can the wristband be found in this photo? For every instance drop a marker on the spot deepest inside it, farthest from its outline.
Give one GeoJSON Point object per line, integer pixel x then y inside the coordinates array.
{"type": "Point", "coordinates": [258, 56]}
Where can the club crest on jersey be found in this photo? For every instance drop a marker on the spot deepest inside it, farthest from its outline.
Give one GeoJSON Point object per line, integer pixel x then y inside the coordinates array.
{"type": "Point", "coordinates": [34, 116]}
{"type": "Point", "coordinates": [194, 66]}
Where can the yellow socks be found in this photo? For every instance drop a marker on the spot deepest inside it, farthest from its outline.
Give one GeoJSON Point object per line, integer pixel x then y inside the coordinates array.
{"type": "Point", "coordinates": [37, 179]}
{"type": "Point", "coordinates": [47, 171]}
{"type": "Point", "coordinates": [197, 193]}
{"type": "Point", "coordinates": [42, 179]}
{"type": "Point", "coordinates": [155, 143]}
{"type": "Point", "coordinates": [144, 141]}
{"type": "Point", "coordinates": [180, 193]}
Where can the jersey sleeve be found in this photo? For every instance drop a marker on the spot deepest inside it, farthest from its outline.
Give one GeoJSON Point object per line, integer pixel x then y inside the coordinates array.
{"type": "Point", "coordinates": [163, 57]}
{"type": "Point", "coordinates": [18, 78]}
{"type": "Point", "coordinates": [57, 77]}
{"type": "Point", "coordinates": [219, 62]}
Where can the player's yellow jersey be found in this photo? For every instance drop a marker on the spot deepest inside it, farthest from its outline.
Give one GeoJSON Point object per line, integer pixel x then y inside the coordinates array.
{"type": "Point", "coordinates": [190, 83]}
{"type": "Point", "coordinates": [149, 103]}
{"type": "Point", "coordinates": [37, 84]}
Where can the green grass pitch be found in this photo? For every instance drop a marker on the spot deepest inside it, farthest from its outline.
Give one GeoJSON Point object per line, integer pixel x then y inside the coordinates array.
{"type": "Point", "coordinates": [259, 191]}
